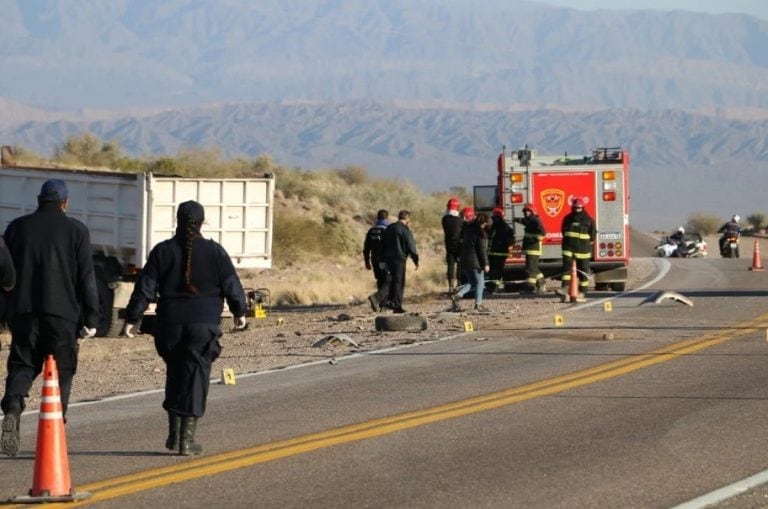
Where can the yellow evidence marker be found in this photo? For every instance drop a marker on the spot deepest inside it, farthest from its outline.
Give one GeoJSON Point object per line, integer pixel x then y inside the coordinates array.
{"type": "Point", "coordinates": [228, 376]}
{"type": "Point", "coordinates": [608, 306]}
{"type": "Point", "coordinates": [259, 311]}
{"type": "Point", "coordinates": [469, 327]}
{"type": "Point", "coordinates": [559, 320]}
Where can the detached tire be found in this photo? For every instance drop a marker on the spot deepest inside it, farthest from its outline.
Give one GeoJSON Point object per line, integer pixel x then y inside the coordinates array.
{"type": "Point", "coordinates": [401, 323]}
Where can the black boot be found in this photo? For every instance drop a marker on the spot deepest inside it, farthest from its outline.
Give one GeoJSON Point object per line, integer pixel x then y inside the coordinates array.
{"type": "Point", "coordinates": [187, 444]}
{"type": "Point", "coordinates": [174, 430]}
{"type": "Point", "coordinates": [9, 441]}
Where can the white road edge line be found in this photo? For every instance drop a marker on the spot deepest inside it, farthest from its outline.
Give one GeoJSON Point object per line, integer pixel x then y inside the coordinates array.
{"type": "Point", "coordinates": [726, 492]}
{"type": "Point", "coordinates": [663, 269]}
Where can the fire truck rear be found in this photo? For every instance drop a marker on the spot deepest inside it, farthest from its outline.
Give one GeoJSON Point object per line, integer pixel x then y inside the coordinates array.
{"type": "Point", "coordinates": [601, 179]}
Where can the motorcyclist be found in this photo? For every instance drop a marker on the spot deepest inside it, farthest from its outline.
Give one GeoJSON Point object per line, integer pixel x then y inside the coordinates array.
{"type": "Point", "coordinates": [728, 230]}
{"type": "Point", "coordinates": [678, 238]}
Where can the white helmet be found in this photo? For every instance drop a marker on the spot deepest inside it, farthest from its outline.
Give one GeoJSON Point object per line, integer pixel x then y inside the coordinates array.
{"type": "Point", "coordinates": [681, 229]}
{"type": "Point", "coordinates": [736, 218]}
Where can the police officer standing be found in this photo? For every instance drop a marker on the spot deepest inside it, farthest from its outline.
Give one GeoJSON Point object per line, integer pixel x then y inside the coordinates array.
{"type": "Point", "coordinates": [398, 245]}
{"type": "Point", "coordinates": [372, 256]}
{"type": "Point", "coordinates": [191, 276]}
{"type": "Point", "coordinates": [532, 239]}
{"type": "Point", "coordinates": [578, 231]}
{"type": "Point", "coordinates": [54, 299]}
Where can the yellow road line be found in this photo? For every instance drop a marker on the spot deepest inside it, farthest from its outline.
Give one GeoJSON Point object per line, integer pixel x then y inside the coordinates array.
{"type": "Point", "coordinates": [224, 462]}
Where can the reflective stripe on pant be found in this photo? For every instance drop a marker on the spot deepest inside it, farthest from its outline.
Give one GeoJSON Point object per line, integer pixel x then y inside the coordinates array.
{"type": "Point", "coordinates": [532, 269]}
{"type": "Point", "coordinates": [582, 268]}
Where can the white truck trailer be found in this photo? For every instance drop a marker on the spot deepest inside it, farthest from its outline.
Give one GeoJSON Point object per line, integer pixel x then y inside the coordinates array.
{"type": "Point", "coordinates": [128, 213]}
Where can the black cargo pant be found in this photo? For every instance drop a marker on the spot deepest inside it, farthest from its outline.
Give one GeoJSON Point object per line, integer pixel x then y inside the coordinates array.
{"type": "Point", "coordinates": [396, 268]}
{"type": "Point", "coordinates": [383, 281]}
{"type": "Point", "coordinates": [33, 338]}
{"type": "Point", "coordinates": [188, 351]}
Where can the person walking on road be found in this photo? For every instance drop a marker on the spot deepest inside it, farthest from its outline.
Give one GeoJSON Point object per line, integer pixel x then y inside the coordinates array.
{"type": "Point", "coordinates": [191, 277]}
{"type": "Point", "coordinates": [578, 229]}
{"type": "Point", "coordinates": [474, 262]}
{"type": "Point", "coordinates": [7, 276]}
{"type": "Point", "coordinates": [452, 224]}
{"type": "Point", "coordinates": [54, 300]}
{"type": "Point", "coordinates": [398, 245]}
{"type": "Point", "coordinates": [372, 256]}
{"type": "Point", "coordinates": [532, 240]}
{"type": "Point", "coordinates": [500, 237]}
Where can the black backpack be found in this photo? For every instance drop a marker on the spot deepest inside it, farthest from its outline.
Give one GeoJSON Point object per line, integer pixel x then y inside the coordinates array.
{"type": "Point", "coordinates": [374, 241]}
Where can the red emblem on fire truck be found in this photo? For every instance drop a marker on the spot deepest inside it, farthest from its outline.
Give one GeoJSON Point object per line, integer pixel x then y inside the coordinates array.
{"type": "Point", "coordinates": [553, 201]}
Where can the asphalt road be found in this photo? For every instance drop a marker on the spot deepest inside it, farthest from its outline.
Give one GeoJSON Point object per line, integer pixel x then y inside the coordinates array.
{"type": "Point", "coordinates": [547, 413]}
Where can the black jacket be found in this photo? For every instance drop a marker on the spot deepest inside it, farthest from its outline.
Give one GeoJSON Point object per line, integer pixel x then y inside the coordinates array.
{"type": "Point", "coordinates": [212, 274]}
{"type": "Point", "coordinates": [452, 226]}
{"type": "Point", "coordinates": [54, 267]}
{"type": "Point", "coordinates": [474, 247]}
{"type": "Point", "coordinates": [578, 234]}
{"type": "Point", "coordinates": [7, 271]}
{"type": "Point", "coordinates": [534, 234]}
{"type": "Point", "coordinates": [500, 236]}
{"type": "Point", "coordinates": [372, 245]}
{"type": "Point", "coordinates": [398, 243]}
{"type": "Point", "coordinates": [730, 228]}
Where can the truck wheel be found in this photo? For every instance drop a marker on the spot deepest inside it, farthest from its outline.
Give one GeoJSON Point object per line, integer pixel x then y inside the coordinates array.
{"type": "Point", "coordinates": [401, 323]}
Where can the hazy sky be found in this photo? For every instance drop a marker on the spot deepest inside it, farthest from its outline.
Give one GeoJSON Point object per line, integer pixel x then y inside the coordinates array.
{"type": "Point", "coordinates": [757, 8]}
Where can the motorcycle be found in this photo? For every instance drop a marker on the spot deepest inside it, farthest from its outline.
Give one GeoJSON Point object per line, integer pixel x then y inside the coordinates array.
{"type": "Point", "coordinates": [692, 246]}
{"type": "Point", "coordinates": [729, 245]}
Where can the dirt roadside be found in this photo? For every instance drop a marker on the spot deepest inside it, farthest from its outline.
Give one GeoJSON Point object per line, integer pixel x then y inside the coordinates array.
{"type": "Point", "coordinates": [112, 366]}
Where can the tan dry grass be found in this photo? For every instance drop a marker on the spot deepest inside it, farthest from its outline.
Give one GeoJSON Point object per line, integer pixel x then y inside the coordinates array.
{"type": "Point", "coordinates": [343, 280]}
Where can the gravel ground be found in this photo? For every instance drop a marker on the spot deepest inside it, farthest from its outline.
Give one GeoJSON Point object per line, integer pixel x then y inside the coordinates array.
{"type": "Point", "coordinates": [111, 366]}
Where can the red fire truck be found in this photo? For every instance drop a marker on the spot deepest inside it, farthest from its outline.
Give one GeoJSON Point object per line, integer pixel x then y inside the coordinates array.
{"type": "Point", "coordinates": [550, 183]}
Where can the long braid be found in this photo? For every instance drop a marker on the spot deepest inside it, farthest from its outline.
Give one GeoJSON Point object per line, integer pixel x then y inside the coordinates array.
{"type": "Point", "coordinates": [190, 232]}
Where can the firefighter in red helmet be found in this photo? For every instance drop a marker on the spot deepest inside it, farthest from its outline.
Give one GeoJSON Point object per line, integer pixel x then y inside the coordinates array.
{"type": "Point", "coordinates": [532, 241]}
{"type": "Point", "coordinates": [500, 237]}
{"type": "Point", "coordinates": [452, 224]}
{"type": "Point", "coordinates": [578, 231]}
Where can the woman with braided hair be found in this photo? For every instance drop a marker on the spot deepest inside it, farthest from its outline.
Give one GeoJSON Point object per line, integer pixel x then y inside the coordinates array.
{"type": "Point", "coordinates": [190, 277]}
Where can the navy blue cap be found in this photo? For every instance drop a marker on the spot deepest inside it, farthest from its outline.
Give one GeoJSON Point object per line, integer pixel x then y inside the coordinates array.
{"type": "Point", "coordinates": [53, 190]}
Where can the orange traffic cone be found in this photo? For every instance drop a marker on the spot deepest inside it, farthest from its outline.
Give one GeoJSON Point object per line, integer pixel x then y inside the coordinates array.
{"type": "Point", "coordinates": [51, 481]}
{"type": "Point", "coordinates": [757, 264]}
{"type": "Point", "coordinates": [573, 288]}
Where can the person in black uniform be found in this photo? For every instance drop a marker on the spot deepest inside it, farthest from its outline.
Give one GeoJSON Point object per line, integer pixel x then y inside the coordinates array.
{"type": "Point", "coordinates": [190, 277]}
{"type": "Point", "coordinates": [7, 277]}
{"type": "Point", "coordinates": [54, 299]}
{"type": "Point", "coordinates": [578, 229]}
{"type": "Point", "coordinates": [374, 260]}
{"type": "Point", "coordinates": [532, 241]}
{"type": "Point", "coordinates": [500, 237]}
{"type": "Point", "coordinates": [398, 245]}
{"type": "Point", "coordinates": [452, 224]}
